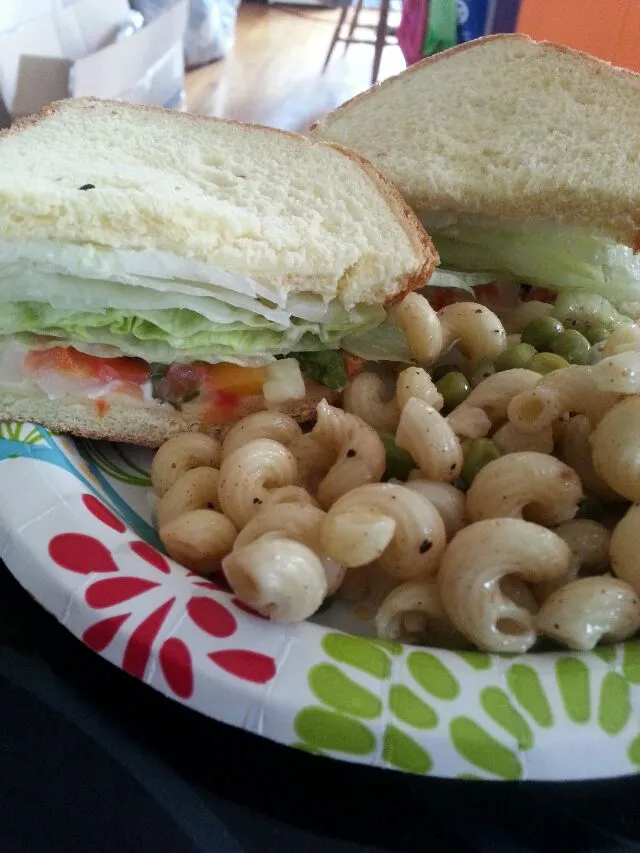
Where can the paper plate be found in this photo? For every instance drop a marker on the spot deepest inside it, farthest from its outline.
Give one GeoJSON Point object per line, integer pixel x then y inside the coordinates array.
{"type": "Point", "coordinates": [75, 531]}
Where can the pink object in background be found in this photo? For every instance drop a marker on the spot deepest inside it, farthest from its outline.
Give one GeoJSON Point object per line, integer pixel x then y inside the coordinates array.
{"type": "Point", "coordinates": [412, 30]}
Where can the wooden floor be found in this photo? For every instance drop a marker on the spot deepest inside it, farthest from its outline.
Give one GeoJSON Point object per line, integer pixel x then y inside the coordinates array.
{"type": "Point", "coordinates": [274, 76]}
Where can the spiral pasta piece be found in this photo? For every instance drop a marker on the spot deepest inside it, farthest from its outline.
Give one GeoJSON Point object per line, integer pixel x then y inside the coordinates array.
{"type": "Point", "coordinates": [421, 326]}
{"type": "Point", "coordinates": [574, 448]}
{"type": "Point", "coordinates": [615, 447]}
{"type": "Point", "coordinates": [300, 523]}
{"type": "Point", "coordinates": [247, 475]}
{"type": "Point", "coordinates": [590, 610]}
{"type": "Point", "coordinates": [624, 551]}
{"type": "Point", "coordinates": [199, 539]}
{"type": "Point", "coordinates": [413, 613]}
{"type": "Point", "coordinates": [272, 425]}
{"type": "Point", "coordinates": [430, 440]}
{"type": "Point", "coordinates": [531, 485]}
{"type": "Point", "coordinates": [589, 543]}
{"type": "Point", "coordinates": [195, 489]}
{"type": "Point", "coordinates": [474, 328]}
{"type": "Point", "coordinates": [366, 397]}
{"type": "Point", "coordinates": [179, 454]}
{"type": "Point", "coordinates": [470, 575]}
{"type": "Point", "coordinates": [449, 501]}
{"type": "Point", "coordinates": [568, 390]}
{"type": "Point", "coordinates": [416, 382]}
{"type": "Point", "coordinates": [494, 393]}
{"type": "Point", "coordinates": [511, 440]}
{"type": "Point", "coordinates": [280, 578]}
{"type": "Point", "coordinates": [469, 422]}
{"type": "Point", "coordinates": [399, 528]}
{"type": "Point", "coordinates": [360, 453]}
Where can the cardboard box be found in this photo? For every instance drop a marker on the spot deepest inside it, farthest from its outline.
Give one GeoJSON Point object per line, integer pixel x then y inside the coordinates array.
{"type": "Point", "coordinates": [71, 52]}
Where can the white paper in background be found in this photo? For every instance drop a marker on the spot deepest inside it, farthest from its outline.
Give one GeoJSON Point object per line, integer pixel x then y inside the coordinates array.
{"type": "Point", "coordinates": [16, 13]}
{"type": "Point", "coordinates": [120, 70]}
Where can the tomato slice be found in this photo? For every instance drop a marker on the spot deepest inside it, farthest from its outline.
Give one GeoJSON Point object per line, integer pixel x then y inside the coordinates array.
{"type": "Point", "coordinates": [71, 362]}
{"type": "Point", "coordinates": [179, 384]}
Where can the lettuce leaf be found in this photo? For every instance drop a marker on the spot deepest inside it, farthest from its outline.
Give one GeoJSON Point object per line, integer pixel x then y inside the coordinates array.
{"type": "Point", "coordinates": [383, 343]}
{"type": "Point", "coordinates": [173, 335]}
{"type": "Point", "coordinates": [551, 256]}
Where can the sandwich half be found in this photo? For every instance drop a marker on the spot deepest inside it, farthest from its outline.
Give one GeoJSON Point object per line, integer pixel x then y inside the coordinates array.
{"type": "Point", "coordinates": [521, 158]}
{"type": "Point", "coordinates": [156, 269]}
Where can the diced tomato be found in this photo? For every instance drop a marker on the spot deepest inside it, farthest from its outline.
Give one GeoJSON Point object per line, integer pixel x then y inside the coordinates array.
{"type": "Point", "coordinates": [71, 362]}
{"type": "Point", "coordinates": [540, 294]}
{"type": "Point", "coordinates": [102, 407]}
{"type": "Point", "coordinates": [222, 409]}
{"type": "Point", "coordinates": [179, 384]}
{"type": "Point", "coordinates": [439, 297]}
{"type": "Point", "coordinates": [353, 365]}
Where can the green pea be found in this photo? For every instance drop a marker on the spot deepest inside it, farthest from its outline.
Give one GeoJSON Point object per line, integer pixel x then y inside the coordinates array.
{"type": "Point", "coordinates": [573, 346]}
{"type": "Point", "coordinates": [479, 453]}
{"type": "Point", "coordinates": [514, 356]}
{"type": "Point", "coordinates": [596, 333]}
{"type": "Point", "coordinates": [483, 370]}
{"type": "Point", "coordinates": [399, 462]}
{"type": "Point", "coordinates": [442, 370]}
{"type": "Point", "coordinates": [454, 388]}
{"type": "Point", "coordinates": [541, 331]}
{"type": "Point", "coordinates": [547, 362]}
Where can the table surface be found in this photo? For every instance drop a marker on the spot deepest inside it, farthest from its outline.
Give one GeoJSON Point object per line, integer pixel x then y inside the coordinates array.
{"type": "Point", "coordinates": [92, 760]}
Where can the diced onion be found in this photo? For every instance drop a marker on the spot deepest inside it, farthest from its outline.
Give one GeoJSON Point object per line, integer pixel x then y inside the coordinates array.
{"type": "Point", "coordinates": [284, 382]}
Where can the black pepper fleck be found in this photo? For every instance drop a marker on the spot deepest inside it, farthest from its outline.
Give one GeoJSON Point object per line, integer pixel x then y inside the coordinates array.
{"type": "Point", "coordinates": [257, 501]}
{"type": "Point", "coordinates": [87, 187]}
{"type": "Point", "coordinates": [351, 452]}
{"type": "Point", "coordinates": [425, 545]}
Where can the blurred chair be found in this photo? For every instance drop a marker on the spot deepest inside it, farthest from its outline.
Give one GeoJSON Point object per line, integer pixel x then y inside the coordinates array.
{"type": "Point", "coordinates": [385, 34]}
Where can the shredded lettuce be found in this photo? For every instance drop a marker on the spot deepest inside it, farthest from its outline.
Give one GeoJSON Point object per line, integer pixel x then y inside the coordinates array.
{"type": "Point", "coordinates": [383, 343]}
{"type": "Point", "coordinates": [458, 279]}
{"type": "Point", "coordinates": [556, 257]}
{"type": "Point", "coordinates": [167, 336]}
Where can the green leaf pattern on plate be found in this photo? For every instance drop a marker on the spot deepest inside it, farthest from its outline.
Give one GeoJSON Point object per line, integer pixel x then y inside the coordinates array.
{"type": "Point", "coordinates": [409, 700]}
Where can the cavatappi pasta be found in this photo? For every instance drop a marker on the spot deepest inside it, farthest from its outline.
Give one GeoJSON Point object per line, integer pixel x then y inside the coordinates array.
{"type": "Point", "coordinates": [487, 495]}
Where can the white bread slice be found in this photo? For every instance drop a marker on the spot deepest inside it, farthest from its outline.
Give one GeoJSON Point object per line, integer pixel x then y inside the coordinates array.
{"type": "Point", "coordinates": [145, 425]}
{"type": "Point", "coordinates": [507, 129]}
{"type": "Point", "coordinates": [248, 200]}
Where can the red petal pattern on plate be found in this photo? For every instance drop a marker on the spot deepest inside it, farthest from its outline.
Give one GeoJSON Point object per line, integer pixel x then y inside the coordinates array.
{"type": "Point", "coordinates": [138, 650]}
{"type": "Point", "coordinates": [105, 593]}
{"type": "Point", "coordinates": [98, 636]}
{"type": "Point", "coordinates": [175, 663]}
{"type": "Point", "coordinates": [250, 666]}
{"type": "Point", "coordinates": [211, 616]}
{"type": "Point", "coordinates": [100, 511]}
{"type": "Point", "coordinates": [77, 552]}
{"type": "Point", "coordinates": [150, 555]}
{"type": "Point", "coordinates": [242, 606]}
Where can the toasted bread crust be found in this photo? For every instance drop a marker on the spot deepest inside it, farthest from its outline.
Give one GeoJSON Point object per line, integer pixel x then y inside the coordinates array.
{"type": "Point", "coordinates": [426, 254]}
{"type": "Point", "coordinates": [144, 425]}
